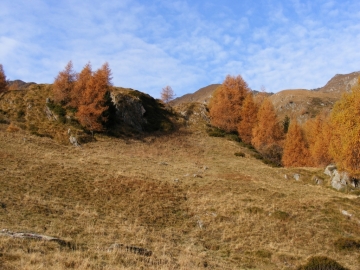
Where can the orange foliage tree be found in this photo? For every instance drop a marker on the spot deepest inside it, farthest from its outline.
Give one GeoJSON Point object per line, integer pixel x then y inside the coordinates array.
{"type": "Point", "coordinates": [248, 118]}
{"type": "Point", "coordinates": [3, 82]}
{"type": "Point", "coordinates": [93, 103]}
{"type": "Point", "coordinates": [296, 153]}
{"type": "Point", "coordinates": [63, 84]}
{"type": "Point", "coordinates": [167, 94]}
{"type": "Point", "coordinates": [267, 130]}
{"type": "Point", "coordinates": [318, 135]}
{"type": "Point", "coordinates": [345, 140]}
{"type": "Point", "coordinates": [82, 79]}
{"type": "Point", "coordinates": [225, 105]}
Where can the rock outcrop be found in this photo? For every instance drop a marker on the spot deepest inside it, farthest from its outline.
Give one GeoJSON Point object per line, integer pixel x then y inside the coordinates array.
{"type": "Point", "coordinates": [129, 110]}
{"type": "Point", "coordinates": [340, 180]}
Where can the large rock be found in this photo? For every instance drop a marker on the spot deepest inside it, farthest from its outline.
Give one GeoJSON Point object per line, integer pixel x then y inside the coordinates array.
{"type": "Point", "coordinates": [329, 170]}
{"type": "Point", "coordinates": [339, 180]}
{"type": "Point", "coordinates": [130, 110]}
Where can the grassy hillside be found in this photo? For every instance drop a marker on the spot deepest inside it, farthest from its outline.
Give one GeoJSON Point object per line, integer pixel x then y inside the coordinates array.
{"type": "Point", "coordinates": [186, 197]}
{"type": "Point", "coordinates": [29, 109]}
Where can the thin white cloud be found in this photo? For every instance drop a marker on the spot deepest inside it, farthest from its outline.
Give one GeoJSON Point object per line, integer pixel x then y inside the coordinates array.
{"type": "Point", "coordinates": [156, 43]}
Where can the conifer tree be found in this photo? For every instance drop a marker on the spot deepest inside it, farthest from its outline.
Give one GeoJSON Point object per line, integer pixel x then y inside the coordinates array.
{"type": "Point", "coordinates": [248, 119]}
{"type": "Point", "coordinates": [225, 105]}
{"type": "Point", "coordinates": [93, 104]}
{"type": "Point", "coordinates": [267, 130]}
{"type": "Point", "coordinates": [318, 135]}
{"type": "Point", "coordinates": [78, 91]}
{"type": "Point", "coordinates": [63, 84]}
{"type": "Point", "coordinates": [3, 82]}
{"type": "Point", "coordinates": [345, 140]}
{"type": "Point", "coordinates": [167, 94]}
{"type": "Point", "coordinates": [296, 153]}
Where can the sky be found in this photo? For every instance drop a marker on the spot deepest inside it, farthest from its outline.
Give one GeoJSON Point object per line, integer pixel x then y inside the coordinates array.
{"type": "Point", "coordinates": [187, 45]}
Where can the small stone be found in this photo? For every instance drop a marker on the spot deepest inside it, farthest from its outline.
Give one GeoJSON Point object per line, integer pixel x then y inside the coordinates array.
{"type": "Point", "coordinates": [296, 176]}
{"type": "Point", "coordinates": [346, 213]}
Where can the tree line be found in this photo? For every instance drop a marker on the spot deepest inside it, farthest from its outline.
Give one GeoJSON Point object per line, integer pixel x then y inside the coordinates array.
{"type": "Point", "coordinates": [329, 137]}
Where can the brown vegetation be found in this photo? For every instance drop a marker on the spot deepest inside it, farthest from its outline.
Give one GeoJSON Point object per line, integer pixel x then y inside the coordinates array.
{"type": "Point", "coordinates": [296, 152]}
{"type": "Point", "coordinates": [236, 213]}
{"type": "Point", "coordinates": [3, 82]}
{"type": "Point", "coordinates": [167, 94]}
{"type": "Point", "coordinates": [225, 106]}
{"type": "Point", "coordinates": [248, 119]}
{"type": "Point", "coordinates": [64, 84]}
{"type": "Point", "coordinates": [93, 102]}
{"type": "Point", "coordinates": [267, 130]}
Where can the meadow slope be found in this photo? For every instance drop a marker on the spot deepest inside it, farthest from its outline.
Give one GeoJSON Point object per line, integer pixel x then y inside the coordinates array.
{"type": "Point", "coordinates": [185, 196]}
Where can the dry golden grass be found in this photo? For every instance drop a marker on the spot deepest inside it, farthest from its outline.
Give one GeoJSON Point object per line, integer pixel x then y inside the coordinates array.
{"type": "Point", "coordinates": [184, 196]}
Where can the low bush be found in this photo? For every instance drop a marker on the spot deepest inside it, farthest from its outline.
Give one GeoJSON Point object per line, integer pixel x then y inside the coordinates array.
{"type": "Point", "coordinates": [321, 263]}
{"type": "Point", "coordinates": [239, 154]}
{"type": "Point", "coordinates": [347, 244]}
{"type": "Point", "coordinates": [281, 215]}
{"type": "Point", "coordinates": [215, 132]}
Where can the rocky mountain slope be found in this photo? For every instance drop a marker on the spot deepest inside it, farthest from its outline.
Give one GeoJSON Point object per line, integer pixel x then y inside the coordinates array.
{"type": "Point", "coordinates": [202, 95]}
{"type": "Point", "coordinates": [301, 104]}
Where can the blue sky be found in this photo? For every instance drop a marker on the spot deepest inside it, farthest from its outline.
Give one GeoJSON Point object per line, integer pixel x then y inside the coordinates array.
{"type": "Point", "coordinates": [185, 44]}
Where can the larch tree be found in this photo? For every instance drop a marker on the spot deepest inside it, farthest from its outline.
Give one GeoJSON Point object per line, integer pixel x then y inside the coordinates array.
{"type": "Point", "coordinates": [3, 82]}
{"type": "Point", "coordinates": [345, 140]}
{"type": "Point", "coordinates": [248, 118]}
{"type": "Point", "coordinates": [167, 94]}
{"type": "Point", "coordinates": [63, 84]}
{"type": "Point", "coordinates": [318, 135]}
{"type": "Point", "coordinates": [93, 104]}
{"type": "Point", "coordinates": [78, 91]}
{"type": "Point", "coordinates": [296, 153]}
{"type": "Point", "coordinates": [225, 105]}
{"type": "Point", "coordinates": [267, 130]}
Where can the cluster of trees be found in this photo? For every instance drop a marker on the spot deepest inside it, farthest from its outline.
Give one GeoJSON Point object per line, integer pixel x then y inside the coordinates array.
{"type": "Point", "coordinates": [3, 81]}
{"type": "Point", "coordinates": [87, 92]}
{"type": "Point", "coordinates": [329, 137]}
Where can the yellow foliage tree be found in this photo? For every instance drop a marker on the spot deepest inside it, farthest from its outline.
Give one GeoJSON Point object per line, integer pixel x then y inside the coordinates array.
{"type": "Point", "coordinates": [63, 84]}
{"type": "Point", "coordinates": [3, 82]}
{"type": "Point", "coordinates": [345, 142]}
{"type": "Point", "coordinates": [248, 118]}
{"type": "Point", "coordinates": [225, 105]}
{"type": "Point", "coordinates": [296, 153]}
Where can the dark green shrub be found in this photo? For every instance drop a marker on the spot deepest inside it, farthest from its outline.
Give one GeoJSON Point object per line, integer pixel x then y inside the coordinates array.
{"type": "Point", "coordinates": [20, 115]}
{"type": "Point", "coordinates": [58, 110]}
{"type": "Point", "coordinates": [215, 132]}
{"type": "Point", "coordinates": [239, 154]}
{"type": "Point", "coordinates": [321, 263]}
{"type": "Point", "coordinates": [233, 137]}
{"type": "Point", "coordinates": [257, 156]}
